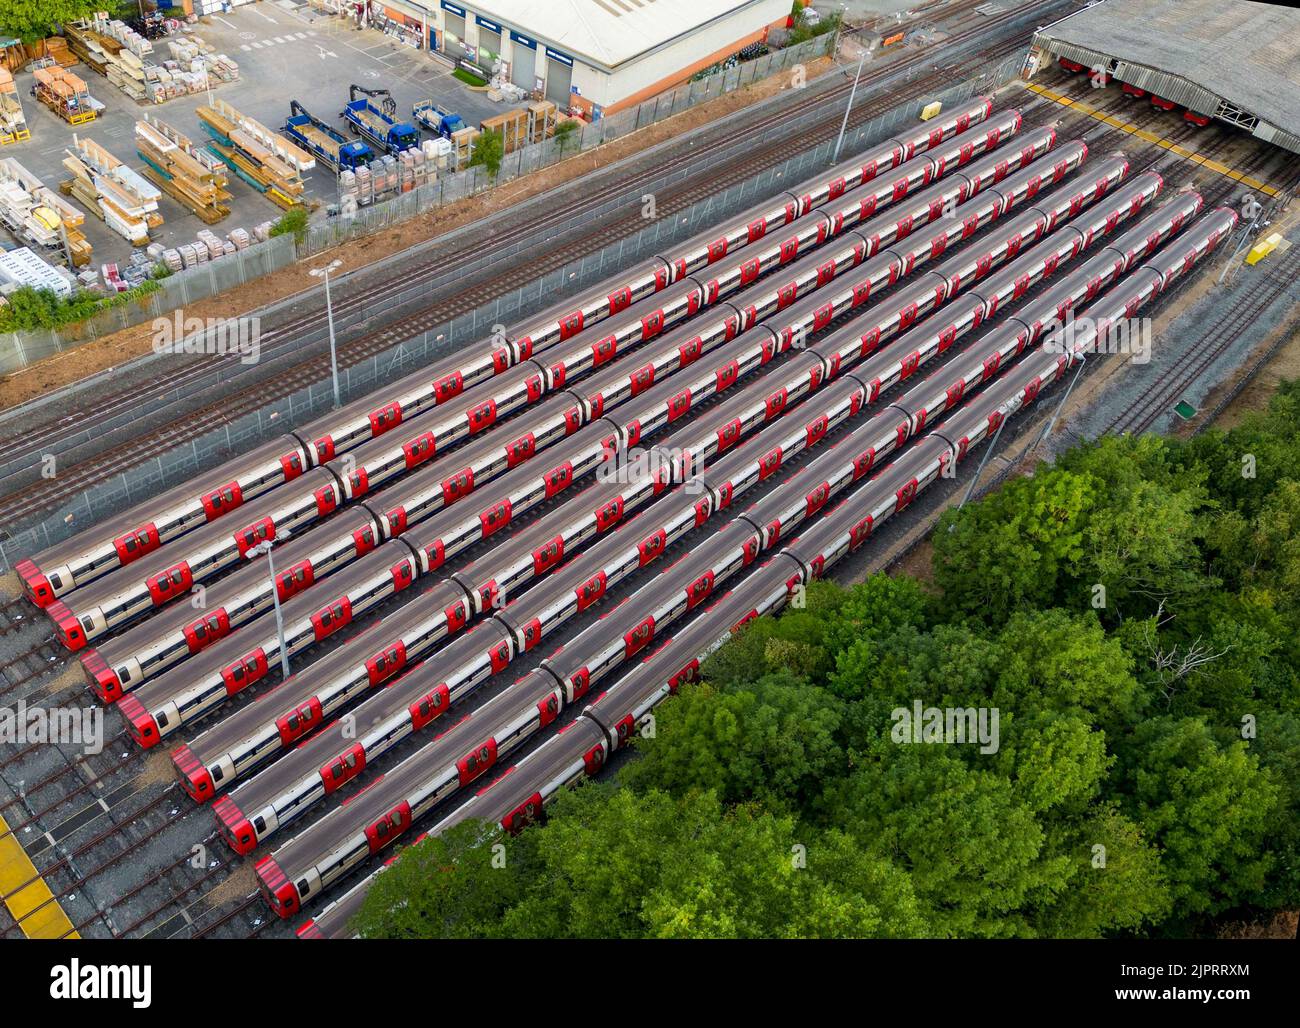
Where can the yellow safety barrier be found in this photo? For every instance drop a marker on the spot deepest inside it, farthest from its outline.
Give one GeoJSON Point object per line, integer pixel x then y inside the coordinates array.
{"type": "Point", "coordinates": [1153, 138]}
{"type": "Point", "coordinates": [28, 898]}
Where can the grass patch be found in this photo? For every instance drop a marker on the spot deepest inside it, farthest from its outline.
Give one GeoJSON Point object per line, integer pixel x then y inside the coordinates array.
{"type": "Point", "coordinates": [468, 78]}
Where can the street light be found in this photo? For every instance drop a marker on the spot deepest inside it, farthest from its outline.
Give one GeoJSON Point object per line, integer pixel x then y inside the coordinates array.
{"type": "Point", "coordinates": [852, 93]}
{"type": "Point", "coordinates": [256, 551]}
{"type": "Point", "coordinates": [329, 315]}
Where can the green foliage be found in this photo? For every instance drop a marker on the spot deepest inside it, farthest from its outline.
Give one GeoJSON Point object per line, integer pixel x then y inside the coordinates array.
{"type": "Point", "coordinates": [292, 222]}
{"type": "Point", "coordinates": [31, 20]}
{"type": "Point", "coordinates": [28, 309]}
{"type": "Point", "coordinates": [801, 31]}
{"type": "Point", "coordinates": [489, 152]}
{"type": "Point", "coordinates": [564, 133]}
{"type": "Point", "coordinates": [1144, 778]}
{"type": "Point", "coordinates": [469, 78]}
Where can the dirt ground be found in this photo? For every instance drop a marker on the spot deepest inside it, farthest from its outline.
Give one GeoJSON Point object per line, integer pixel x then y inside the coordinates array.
{"type": "Point", "coordinates": [110, 351]}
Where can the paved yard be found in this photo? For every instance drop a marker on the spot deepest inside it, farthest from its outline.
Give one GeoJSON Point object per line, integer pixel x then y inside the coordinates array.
{"type": "Point", "coordinates": [285, 52]}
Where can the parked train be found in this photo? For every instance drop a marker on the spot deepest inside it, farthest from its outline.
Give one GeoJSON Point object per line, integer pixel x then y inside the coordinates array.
{"type": "Point", "coordinates": [317, 858]}
{"type": "Point", "coordinates": [128, 662]}
{"type": "Point", "coordinates": [124, 595]}
{"type": "Point", "coordinates": [130, 535]}
{"type": "Point", "coordinates": [195, 689]}
{"type": "Point", "coordinates": [319, 766]}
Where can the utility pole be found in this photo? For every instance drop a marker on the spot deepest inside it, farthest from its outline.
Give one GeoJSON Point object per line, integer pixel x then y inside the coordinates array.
{"type": "Point", "coordinates": [256, 551]}
{"type": "Point", "coordinates": [329, 316]}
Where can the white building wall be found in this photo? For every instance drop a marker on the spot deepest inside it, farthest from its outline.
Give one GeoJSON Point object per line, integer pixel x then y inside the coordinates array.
{"type": "Point", "coordinates": [606, 88]}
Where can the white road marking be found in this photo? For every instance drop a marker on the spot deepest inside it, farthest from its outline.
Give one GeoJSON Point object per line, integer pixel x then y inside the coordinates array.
{"type": "Point", "coordinates": [244, 46]}
{"type": "Point", "coordinates": [217, 17]}
{"type": "Point", "coordinates": [266, 16]}
{"type": "Point", "coordinates": [277, 39]}
{"type": "Point", "coordinates": [301, 35]}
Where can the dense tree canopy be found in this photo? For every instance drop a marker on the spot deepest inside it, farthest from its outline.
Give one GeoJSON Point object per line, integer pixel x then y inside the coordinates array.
{"type": "Point", "coordinates": [1131, 615]}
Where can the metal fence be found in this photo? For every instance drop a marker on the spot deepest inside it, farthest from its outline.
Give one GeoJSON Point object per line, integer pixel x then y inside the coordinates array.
{"type": "Point", "coordinates": [529, 159]}
{"type": "Point", "coordinates": [131, 485]}
{"type": "Point", "coordinates": [19, 349]}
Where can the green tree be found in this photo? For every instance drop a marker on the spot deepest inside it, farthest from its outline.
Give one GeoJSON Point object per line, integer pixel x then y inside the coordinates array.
{"type": "Point", "coordinates": [1208, 806]}
{"type": "Point", "coordinates": [489, 152]}
{"type": "Point", "coordinates": [31, 20]}
{"type": "Point", "coordinates": [1012, 549]}
{"type": "Point", "coordinates": [775, 740]}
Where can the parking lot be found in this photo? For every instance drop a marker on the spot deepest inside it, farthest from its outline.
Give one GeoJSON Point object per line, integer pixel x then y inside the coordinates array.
{"type": "Point", "coordinates": [285, 51]}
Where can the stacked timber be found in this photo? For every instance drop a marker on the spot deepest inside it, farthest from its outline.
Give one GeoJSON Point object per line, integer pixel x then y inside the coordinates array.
{"type": "Point", "coordinates": [65, 94]}
{"type": "Point", "coordinates": [127, 203]}
{"type": "Point", "coordinates": [265, 160]}
{"type": "Point", "coordinates": [196, 178]}
{"type": "Point", "coordinates": [513, 127]}
{"type": "Point", "coordinates": [13, 123]}
{"type": "Point", "coordinates": [541, 121]}
{"type": "Point", "coordinates": [127, 60]}
{"type": "Point", "coordinates": [39, 216]}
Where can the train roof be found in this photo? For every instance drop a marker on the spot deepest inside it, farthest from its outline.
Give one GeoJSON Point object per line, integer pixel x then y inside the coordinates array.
{"type": "Point", "coordinates": [1196, 53]}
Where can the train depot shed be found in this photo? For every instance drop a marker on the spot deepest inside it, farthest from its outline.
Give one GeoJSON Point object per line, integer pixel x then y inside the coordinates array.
{"type": "Point", "coordinates": [1226, 60]}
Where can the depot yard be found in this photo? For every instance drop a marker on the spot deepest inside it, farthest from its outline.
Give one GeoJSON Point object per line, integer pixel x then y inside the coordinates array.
{"type": "Point", "coordinates": [285, 51]}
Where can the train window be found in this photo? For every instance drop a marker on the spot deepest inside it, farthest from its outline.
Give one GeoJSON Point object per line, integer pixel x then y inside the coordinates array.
{"type": "Point", "coordinates": [303, 887]}
{"type": "Point", "coordinates": [218, 773]}
{"type": "Point", "coordinates": [259, 823]}
{"type": "Point", "coordinates": [56, 580]}
{"type": "Point", "coordinates": [162, 720]}
{"type": "Point", "coordinates": [88, 623]}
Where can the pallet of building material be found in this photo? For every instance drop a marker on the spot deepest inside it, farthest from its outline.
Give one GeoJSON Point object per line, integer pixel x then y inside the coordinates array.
{"type": "Point", "coordinates": [463, 141]}
{"type": "Point", "coordinates": [254, 138]}
{"type": "Point", "coordinates": [171, 165]}
{"type": "Point", "coordinates": [56, 48]}
{"type": "Point", "coordinates": [65, 94]}
{"type": "Point", "coordinates": [13, 123]}
{"type": "Point", "coordinates": [541, 120]}
{"type": "Point", "coordinates": [126, 201]}
{"type": "Point", "coordinates": [38, 215]}
{"type": "Point", "coordinates": [512, 126]}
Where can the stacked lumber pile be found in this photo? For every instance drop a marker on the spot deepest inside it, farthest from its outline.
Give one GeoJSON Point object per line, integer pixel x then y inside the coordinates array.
{"type": "Point", "coordinates": [38, 215]}
{"type": "Point", "coordinates": [541, 121]}
{"type": "Point", "coordinates": [65, 94]}
{"type": "Point", "coordinates": [513, 127]}
{"type": "Point", "coordinates": [196, 178]}
{"type": "Point", "coordinates": [13, 123]}
{"type": "Point", "coordinates": [265, 160]}
{"type": "Point", "coordinates": [127, 203]}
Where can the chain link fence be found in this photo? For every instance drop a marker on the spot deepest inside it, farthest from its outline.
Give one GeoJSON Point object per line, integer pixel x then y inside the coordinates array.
{"type": "Point", "coordinates": [20, 349]}
{"type": "Point", "coordinates": [132, 485]}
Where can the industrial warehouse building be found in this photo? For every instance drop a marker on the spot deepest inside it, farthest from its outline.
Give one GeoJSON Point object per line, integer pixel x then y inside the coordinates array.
{"type": "Point", "coordinates": [1230, 60]}
{"type": "Point", "coordinates": [598, 55]}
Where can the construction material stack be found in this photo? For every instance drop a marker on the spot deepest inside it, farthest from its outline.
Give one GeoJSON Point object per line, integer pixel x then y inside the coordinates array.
{"type": "Point", "coordinates": [110, 190]}
{"type": "Point", "coordinates": [65, 94]}
{"type": "Point", "coordinates": [541, 121]}
{"type": "Point", "coordinates": [13, 124]}
{"type": "Point", "coordinates": [512, 127]}
{"type": "Point", "coordinates": [127, 59]}
{"type": "Point", "coordinates": [22, 268]}
{"type": "Point", "coordinates": [194, 177]}
{"type": "Point", "coordinates": [38, 216]}
{"type": "Point", "coordinates": [266, 161]}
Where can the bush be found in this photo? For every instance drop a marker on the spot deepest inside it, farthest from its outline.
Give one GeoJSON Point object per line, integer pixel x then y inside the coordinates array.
{"type": "Point", "coordinates": [292, 222]}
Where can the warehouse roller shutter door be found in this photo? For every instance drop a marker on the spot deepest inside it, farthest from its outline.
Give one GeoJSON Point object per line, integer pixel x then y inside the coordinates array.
{"type": "Point", "coordinates": [523, 66]}
{"type": "Point", "coordinates": [454, 26]}
{"type": "Point", "coordinates": [559, 77]}
{"type": "Point", "coordinates": [491, 41]}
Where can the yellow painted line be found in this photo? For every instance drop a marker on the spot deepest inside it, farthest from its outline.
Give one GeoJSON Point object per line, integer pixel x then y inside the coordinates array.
{"type": "Point", "coordinates": [32, 905]}
{"type": "Point", "coordinates": [1153, 139]}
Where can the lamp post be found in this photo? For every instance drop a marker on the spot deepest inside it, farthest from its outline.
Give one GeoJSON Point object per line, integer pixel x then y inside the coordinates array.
{"type": "Point", "coordinates": [256, 551]}
{"type": "Point", "coordinates": [324, 273]}
{"type": "Point", "coordinates": [852, 93]}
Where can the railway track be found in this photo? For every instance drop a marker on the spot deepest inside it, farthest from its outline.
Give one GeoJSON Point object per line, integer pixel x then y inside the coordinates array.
{"type": "Point", "coordinates": [41, 497]}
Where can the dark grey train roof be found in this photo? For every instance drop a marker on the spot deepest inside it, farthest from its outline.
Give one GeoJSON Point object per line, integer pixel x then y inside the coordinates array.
{"type": "Point", "coordinates": [1246, 53]}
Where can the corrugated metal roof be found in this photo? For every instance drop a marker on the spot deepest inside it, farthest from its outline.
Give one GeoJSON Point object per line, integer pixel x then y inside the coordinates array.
{"type": "Point", "coordinates": [1195, 52]}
